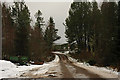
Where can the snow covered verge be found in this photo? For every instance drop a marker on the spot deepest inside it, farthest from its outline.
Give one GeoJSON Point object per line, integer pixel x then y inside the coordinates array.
{"type": "Point", "coordinates": [10, 70]}
{"type": "Point", "coordinates": [104, 72]}
{"type": "Point", "coordinates": [45, 67]}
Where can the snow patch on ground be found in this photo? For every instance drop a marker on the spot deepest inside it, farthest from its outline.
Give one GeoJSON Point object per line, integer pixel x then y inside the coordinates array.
{"type": "Point", "coordinates": [72, 59]}
{"type": "Point", "coordinates": [10, 70]}
{"type": "Point", "coordinates": [57, 52]}
{"type": "Point", "coordinates": [6, 65]}
{"type": "Point", "coordinates": [44, 68]}
{"type": "Point", "coordinates": [7, 68]}
{"type": "Point", "coordinates": [104, 72]}
{"type": "Point", "coordinates": [56, 60]}
{"type": "Point", "coordinates": [65, 52]}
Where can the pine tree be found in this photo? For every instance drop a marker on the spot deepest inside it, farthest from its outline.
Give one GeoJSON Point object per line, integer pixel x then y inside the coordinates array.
{"type": "Point", "coordinates": [38, 46]}
{"type": "Point", "coordinates": [117, 52]}
{"type": "Point", "coordinates": [78, 25]}
{"type": "Point", "coordinates": [119, 34]}
{"type": "Point", "coordinates": [108, 31]}
{"type": "Point", "coordinates": [39, 20]}
{"type": "Point", "coordinates": [72, 28]}
{"type": "Point", "coordinates": [21, 17]}
{"type": "Point", "coordinates": [51, 34]}
{"type": "Point", "coordinates": [95, 26]}
{"type": "Point", "coordinates": [8, 32]}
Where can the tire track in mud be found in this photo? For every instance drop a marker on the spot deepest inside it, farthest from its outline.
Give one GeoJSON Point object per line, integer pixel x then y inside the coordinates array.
{"type": "Point", "coordinates": [65, 72]}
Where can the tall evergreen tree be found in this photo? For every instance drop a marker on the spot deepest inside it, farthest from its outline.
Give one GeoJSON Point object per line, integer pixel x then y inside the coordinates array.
{"type": "Point", "coordinates": [8, 32]}
{"type": "Point", "coordinates": [39, 20]}
{"type": "Point", "coordinates": [21, 17]}
{"type": "Point", "coordinates": [108, 32]}
{"type": "Point", "coordinates": [38, 46]}
{"type": "Point", "coordinates": [78, 25]}
{"type": "Point", "coordinates": [51, 34]}
{"type": "Point", "coordinates": [95, 26]}
{"type": "Point", "coordinates": [118, 38]}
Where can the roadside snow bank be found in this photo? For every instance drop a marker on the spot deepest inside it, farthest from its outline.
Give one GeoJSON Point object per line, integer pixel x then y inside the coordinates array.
{"type": "Point", "coordinates": [4, 65]}
{"type": "Point", "coordinates": [10, 70]}
{"type": "Point", "coordinates": [7, 68]}
{"type": "Point", "coordinates": [65, 52]}
{"type": "Point", "coordinates": [56, 60]}
{"type": "Point", "coordinates": [57, 52]}
{"type": "Point", "coordinates": [45, 68]}
{"type": "Point", "coordinates": [104, 72]}
{"type": "Point", "coordinates": [72, 59]}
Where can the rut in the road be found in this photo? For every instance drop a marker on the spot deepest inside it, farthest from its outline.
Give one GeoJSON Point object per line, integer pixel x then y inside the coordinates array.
{"type": "Point", "coordinates": [64, 68]}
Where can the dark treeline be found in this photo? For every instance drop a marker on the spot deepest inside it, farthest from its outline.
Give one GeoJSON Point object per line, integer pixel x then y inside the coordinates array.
{"type": "Point", "coordinates": [93, 32]}
{"type": "Point", "coordinates": [19, 38]}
